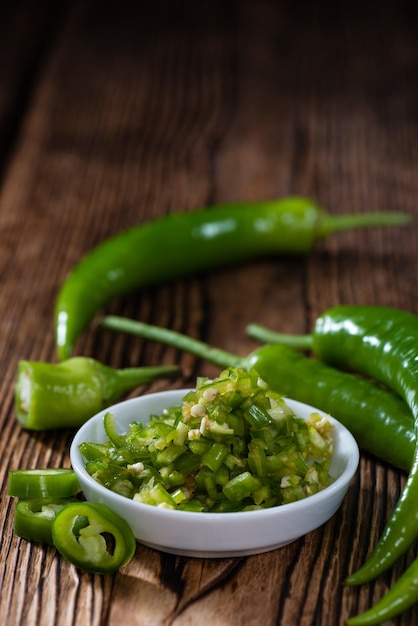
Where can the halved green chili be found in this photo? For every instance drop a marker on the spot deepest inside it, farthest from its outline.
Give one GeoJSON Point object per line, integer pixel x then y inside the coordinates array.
{"type": "Point", "coordinates": [365, 408]}
{"type": "Point", "coordinates": [161, 250]}
{"type": "Point", "coordinates": [93, 537]}
{"type": "Point", "coordinates": [381, 342]}
{"type": "Point", "coordinates": [65, 395]}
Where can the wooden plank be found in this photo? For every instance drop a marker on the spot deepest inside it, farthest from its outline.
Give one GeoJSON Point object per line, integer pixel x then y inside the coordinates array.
{"type": "Point", "coordinates": [27, 32]}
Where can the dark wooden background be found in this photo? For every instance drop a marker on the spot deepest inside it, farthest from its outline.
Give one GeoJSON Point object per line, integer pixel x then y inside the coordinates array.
{"type": "Point", "coordinates": [112, 113]}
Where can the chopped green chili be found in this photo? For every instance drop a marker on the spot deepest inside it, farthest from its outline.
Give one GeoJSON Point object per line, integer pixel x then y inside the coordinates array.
{"type": "Point", "coordinates": [233, 444]}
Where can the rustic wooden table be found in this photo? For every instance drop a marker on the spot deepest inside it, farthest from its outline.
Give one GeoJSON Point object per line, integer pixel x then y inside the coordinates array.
{"type": "Point", "coordinates": [114, 113]}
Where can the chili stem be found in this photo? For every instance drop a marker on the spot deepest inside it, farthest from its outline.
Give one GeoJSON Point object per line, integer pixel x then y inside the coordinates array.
{"type": "Point", "coordinates": [335, 223]}
{"type": "Point", "coordinates": [134, 376]}
{"type": "Point", "coordinates": [197, 348]}
{"type": "Point", "coordinates": [265, 335]}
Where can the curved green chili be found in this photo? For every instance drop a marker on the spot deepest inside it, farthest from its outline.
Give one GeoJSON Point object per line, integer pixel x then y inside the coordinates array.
{"type": "Point", "coordinates": [65, 395]}
{"type": "Point", "coordinates": [381, 342]}
{"type": "Point", "coordinates": [364, 408]}
{"type": "Point", "coordinates": [399, 598]}
{"type": "Point", "coordinates": [183, 243]}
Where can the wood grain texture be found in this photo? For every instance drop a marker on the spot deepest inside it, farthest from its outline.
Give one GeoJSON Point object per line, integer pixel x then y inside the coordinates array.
{"type": "Point", "coordinates": [112, 114]}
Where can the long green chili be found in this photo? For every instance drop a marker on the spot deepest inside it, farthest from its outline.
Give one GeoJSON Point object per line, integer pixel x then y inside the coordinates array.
{"type": "Point", "coordinates": [363, 407]}
{"type": "Point", "coordinates": [399, 598]}
{"type": "Point", "coordinates": [381, 342]}
{"type": "Point", "coordinates": [183, 243]}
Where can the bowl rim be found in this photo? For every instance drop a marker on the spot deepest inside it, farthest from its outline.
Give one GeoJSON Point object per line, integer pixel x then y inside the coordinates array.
{"type": "Point", "coordinates": [332, 490]}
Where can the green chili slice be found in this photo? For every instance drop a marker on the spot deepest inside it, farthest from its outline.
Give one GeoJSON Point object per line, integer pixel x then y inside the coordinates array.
{"type": "Point", "coordinates": [34, 517]}
{"type": "Point", "coordinates": [43, 483]}
{"type": "Point", "coordinates": [93, 537]}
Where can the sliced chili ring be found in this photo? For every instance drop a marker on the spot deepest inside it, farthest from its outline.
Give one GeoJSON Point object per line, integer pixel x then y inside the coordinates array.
{"type": "Point", "coordinates": [93, 537]}
{"type": "Point", "coordinates": [33, 518]}
{"type": "Point", "coordinates": [43, 483]}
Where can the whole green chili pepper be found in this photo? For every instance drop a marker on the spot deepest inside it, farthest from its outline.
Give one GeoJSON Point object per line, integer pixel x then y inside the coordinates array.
{"type": "Point", "coordinates": [381, 342]}
{"type": "Point", "coordinates": [65, 395]}
{"type": "Point", "coordinates": [183, 243]}
{"type": "Point", "coordinates": [363, 407]}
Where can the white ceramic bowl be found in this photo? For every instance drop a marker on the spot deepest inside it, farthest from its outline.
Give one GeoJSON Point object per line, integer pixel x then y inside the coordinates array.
{"type": "Point", "coordinates": [215, 534]}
